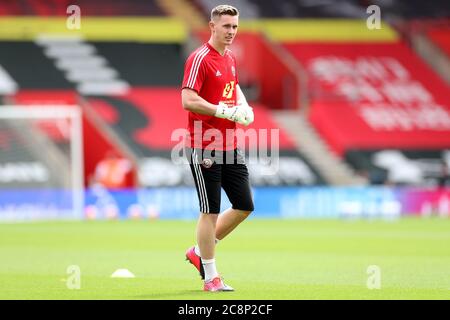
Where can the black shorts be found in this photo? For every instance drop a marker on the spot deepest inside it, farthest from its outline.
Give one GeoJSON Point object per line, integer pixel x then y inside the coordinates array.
{"type": "Point", "coordinates": [213, 170]}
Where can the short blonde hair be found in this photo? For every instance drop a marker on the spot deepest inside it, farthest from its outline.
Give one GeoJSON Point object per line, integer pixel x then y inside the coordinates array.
{"type": "Point", "coordinates": [224, 9]}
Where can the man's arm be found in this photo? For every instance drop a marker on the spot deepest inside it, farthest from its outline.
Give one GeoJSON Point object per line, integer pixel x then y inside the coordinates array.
{"type": "Point", "coordinates": [193, 102]}
{"type": "Point", "coordinates": [241, 101]}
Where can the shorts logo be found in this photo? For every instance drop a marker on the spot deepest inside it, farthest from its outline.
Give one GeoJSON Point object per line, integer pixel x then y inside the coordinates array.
{"type": "Point", "coordinates": [207, 163]}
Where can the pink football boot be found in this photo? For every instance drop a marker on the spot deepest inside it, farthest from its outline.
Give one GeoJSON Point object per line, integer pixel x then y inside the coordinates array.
{"type": "Point", "coordinates": [216, 284]}
{"type": "Point", "coordinates": [193, 258]}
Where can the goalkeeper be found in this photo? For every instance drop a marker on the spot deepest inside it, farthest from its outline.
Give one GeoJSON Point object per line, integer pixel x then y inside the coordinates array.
{"type": "Point", "coordinates": [211, 94]}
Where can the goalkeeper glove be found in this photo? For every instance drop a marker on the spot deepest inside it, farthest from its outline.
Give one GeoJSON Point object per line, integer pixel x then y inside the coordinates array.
{"type": "Point", "coordinates": [242, 114]}
{"type": "Point", "coordinates": [249, 116]}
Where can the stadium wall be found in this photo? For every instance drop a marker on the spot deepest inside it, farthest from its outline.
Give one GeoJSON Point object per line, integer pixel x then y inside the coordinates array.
{"type": "Point", "coordinates": [271, 202]}
{"type": "Point", "coordinates": [278, 202]}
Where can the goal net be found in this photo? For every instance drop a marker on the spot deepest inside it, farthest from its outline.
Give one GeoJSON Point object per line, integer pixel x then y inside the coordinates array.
{"type": "Point", "coordinates": [41, 163]}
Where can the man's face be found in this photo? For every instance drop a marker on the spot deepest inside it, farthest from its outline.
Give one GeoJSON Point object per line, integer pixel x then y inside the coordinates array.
{"type": "Point", "coordinates": [224, 28]}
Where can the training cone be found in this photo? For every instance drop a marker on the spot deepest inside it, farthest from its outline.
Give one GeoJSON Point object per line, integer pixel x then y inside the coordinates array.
{"type": "Point", "coordinates": [122, 273]}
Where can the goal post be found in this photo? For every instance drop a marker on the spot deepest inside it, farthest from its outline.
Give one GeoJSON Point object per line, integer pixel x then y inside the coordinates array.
{"type": "Point", "coordinates": [41, 162]}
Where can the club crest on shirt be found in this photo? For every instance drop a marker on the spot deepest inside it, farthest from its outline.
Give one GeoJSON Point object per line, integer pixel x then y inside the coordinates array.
{"type": "Point", "coordinates": [207, 163]}
{"type": "Point", "coordinates": [233, 71]}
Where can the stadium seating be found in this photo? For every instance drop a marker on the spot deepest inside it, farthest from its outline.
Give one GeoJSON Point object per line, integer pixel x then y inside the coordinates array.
{"type": "Point", "coordinates": [353, 105]}
{"type": "Point", "coordinates": [333, 8]}
{"type": "Point", "coordinates": [89, 8]}
{"type": "Point", "coordinates": [385, 94]}
{"type": "Point", "coordinates": [144, 116]}
{"type": "Point", "coordinates": [297, 9]}
{"type": "Point", "coordinates": [440, 35]}
{"type": "Point", "coordinates": [400, 167]}
{"type": "Point", "coordinates": [379, 89]}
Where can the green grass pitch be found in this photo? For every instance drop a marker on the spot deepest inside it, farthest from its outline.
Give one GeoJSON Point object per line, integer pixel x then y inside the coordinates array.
{"type": "Point", "coordinates": [262, 259]}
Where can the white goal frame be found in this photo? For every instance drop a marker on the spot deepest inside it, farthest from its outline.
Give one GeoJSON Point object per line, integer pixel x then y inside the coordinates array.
{"type": "Point", "coordinates": [72, 112]}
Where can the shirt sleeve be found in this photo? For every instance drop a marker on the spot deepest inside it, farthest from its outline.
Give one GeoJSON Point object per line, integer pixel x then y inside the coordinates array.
{"type": "Point", "coordinates": [194, 72]}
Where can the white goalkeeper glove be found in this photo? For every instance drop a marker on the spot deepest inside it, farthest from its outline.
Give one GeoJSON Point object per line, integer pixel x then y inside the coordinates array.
{"type": "Point", "coordinates": [249, 116]}
{"type": "Point", "coordinates": [242, 114]}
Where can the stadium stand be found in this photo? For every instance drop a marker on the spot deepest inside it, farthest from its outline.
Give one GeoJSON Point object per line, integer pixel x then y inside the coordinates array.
{"type": "Point", "coordinates": [247, 9]}
{"type": "Point", "coordinates": [381, 91]}
{"type": "Point", "coordinates": [139, 120]}
{"type": "Point", "coordinates": [142, 116]}
{"type": "Point", "coordinates": [441, 37]}
{"type": "Point", "coordinates": [334, 8]}
{"type": "Point", "coordinates": [32, 171]}
{"type": "Point", "coordinates": [358, 81]}
{"type": "Point", "coordinates": [90, 8]}
{"type": "Point", "coordinates": [297, 9]}
{"type": "Point", "coordinates": [400, 167]}
{"type": "Point", "coordinates": [429, 38]}
{"type": "Point", "coordinates": [355, 107]}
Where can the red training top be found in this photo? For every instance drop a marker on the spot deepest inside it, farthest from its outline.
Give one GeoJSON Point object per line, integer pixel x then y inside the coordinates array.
{"type": "Point", "coordinates": [214, 77]}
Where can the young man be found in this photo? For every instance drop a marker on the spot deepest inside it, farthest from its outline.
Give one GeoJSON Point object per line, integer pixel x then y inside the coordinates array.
{"type": "Point", "coordinates": [211, 94]}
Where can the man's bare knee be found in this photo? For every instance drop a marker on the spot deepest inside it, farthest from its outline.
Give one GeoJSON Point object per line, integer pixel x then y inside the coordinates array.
{"type": "Point", "coordinates": [245, 213]}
